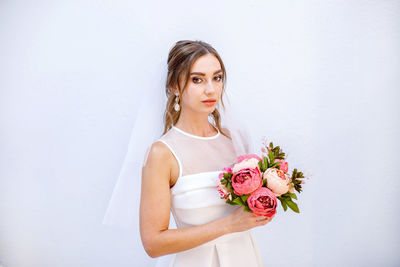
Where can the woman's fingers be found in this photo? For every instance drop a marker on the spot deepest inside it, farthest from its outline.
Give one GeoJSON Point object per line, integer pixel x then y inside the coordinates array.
{"type": "Point", "coordinates": [263, 220]}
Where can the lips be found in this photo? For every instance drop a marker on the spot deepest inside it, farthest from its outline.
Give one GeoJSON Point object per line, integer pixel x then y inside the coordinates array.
{"type": "Point", "coordinates": [209, 101]}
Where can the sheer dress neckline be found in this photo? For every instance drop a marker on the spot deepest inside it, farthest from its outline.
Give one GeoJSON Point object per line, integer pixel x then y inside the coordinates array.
{"type": "Point", "coordinates": [196, 136]}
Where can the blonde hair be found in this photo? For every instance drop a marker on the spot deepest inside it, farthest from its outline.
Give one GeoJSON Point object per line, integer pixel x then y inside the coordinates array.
{"type": "Point", "coordinates": [180, 59]}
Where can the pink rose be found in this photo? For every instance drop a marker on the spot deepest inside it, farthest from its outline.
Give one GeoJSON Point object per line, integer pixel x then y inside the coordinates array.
{"type": "Point", "coordinates": [245, 181]}
{"type": "Point", "coordinates": [277, 181]}
{"type": "Point", "coordinates": [262, 202]}
{"type": "Point", "coordinates": [248, 156]}
{"type": "Point", "coordinates": [284, 166]}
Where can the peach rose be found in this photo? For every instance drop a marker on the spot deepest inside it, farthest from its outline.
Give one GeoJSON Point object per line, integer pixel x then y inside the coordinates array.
{"type": "Point", "coordinates": [248, 163]}
{"type": "Point", "coordinates": [246, 181]}
{"type": "Point", "coordinates": [248, 156]}
{"type": "Point", "coordinates": [262, 202]}
{"type": "Point", "coordinates": [277, 181]}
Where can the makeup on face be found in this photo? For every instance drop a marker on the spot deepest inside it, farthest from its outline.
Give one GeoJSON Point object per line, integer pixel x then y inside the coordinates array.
{"type": "Point", "coordinates": [209, 102]}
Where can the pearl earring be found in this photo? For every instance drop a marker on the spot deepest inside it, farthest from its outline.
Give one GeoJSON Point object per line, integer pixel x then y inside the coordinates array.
{"type": "Point", "coordinates": [177, 107]}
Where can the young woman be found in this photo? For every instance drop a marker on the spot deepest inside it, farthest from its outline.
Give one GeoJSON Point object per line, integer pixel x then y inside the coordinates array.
{"type": "Point", "coordinates": [181, 170]}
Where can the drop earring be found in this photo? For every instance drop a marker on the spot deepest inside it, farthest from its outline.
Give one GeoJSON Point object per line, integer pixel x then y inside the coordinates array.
{"type": "Point", "coordinates": [177, 107]}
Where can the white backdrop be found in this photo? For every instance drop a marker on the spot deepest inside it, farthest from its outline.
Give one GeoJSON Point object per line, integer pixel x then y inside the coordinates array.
{"type": "Point", "coordinates": [327, 73]}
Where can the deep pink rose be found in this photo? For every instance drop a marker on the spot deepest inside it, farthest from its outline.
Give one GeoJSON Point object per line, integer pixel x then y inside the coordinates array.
{"type": "Point", "coordinates": [246, 181]}
{"type": "Point", "coordinates": [284, 166]}
{"type": "Point", "coordinates": [248, 156]}
{"type": "Point", "coordinates": [262, 202]}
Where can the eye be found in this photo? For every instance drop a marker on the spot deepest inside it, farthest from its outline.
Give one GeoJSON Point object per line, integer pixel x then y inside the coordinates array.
{"type": "Point", "coordinates": [218, 78]}
{"type": "Point", "coordinates": [195, 79]}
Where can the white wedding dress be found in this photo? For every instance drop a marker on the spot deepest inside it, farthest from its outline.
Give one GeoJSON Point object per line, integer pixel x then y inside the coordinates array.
{"type": "Point", "coordinates": [195, 201]}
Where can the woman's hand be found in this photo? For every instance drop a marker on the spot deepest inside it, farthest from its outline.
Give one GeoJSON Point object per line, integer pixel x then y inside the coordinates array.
{"type": "Point", "coordinates": [240, 220]}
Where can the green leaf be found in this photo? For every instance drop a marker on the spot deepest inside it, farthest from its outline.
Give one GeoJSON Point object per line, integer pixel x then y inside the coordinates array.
{"type": "Point", "coordinates": [246, 208]}
{"type": "Point", "coordinates": [283, 203]}
{"type": "Point", "coordinates": [270, 155]}
{"type": "Point", "coordinates": [266, 164]}
{"type": "Point", "coordinates": [238, 201]}
{"type": "Point", "coordinates": [244, 198]}
{"type": "Point", "coordinates": [289, 195]}
{"type": "Point", "coordinates": [229, 187]}
{"type": "Point", "coordinates": [231, 202]}
{"type": "Point", "coordinates": [293, 206]}
{"type": "Point", "coordinates": [274, 164]}
{"type": "Point", "coordinates": [227, 175]}
{"type": "Point", "coordinates": [260, 164]}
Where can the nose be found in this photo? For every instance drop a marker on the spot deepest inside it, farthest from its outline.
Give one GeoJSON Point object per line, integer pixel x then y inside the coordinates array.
{"type": "Point", "coordinates": [209, 88]}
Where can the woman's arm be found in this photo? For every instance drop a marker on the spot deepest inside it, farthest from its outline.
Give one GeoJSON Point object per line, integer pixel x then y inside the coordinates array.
{"type": "Point", "coordinates": [157, 239]}
{"type": "Point", "coordinates": [155, 201]}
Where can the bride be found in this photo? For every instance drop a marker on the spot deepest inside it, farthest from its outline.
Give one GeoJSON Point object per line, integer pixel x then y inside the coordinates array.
{"type": "Point", "coordinates": [180, 173]}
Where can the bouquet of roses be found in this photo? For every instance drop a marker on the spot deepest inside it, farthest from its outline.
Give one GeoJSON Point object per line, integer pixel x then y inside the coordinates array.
{"type": "Point", "coordinates": [256, 183]}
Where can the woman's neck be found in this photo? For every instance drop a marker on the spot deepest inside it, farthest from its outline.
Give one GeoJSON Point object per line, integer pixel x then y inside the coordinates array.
{"type": "Point", "coordinates": [196, 124]}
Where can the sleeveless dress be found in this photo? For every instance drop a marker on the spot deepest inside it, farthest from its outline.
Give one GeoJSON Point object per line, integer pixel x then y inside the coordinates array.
{"type": "Point", "coordinates": [195, 200]}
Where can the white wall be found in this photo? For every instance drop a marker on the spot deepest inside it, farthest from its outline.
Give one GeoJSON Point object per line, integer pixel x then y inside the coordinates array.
{"type": "Point", "coordinates": [71, 72]}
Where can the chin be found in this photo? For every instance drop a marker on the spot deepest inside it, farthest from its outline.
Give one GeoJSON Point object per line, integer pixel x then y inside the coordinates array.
{"type": "Point", "coordinates": [211, 110]}
{"type": "Point", "coordinates": [207, 110]}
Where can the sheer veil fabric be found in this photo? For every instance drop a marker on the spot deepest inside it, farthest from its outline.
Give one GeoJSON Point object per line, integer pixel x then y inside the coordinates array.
{"type": "Point", "coordinates": [123, 207]}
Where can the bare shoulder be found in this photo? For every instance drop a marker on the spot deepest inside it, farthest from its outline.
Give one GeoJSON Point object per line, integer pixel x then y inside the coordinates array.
{"type": "Point", "coordinates": [161, 161]}
{"type": "Point", "coordinates": [159, 154]}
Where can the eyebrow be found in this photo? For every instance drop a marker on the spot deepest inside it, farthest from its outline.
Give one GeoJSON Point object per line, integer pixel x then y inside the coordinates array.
{"type": "Point", "coordinates": [202, 74]}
